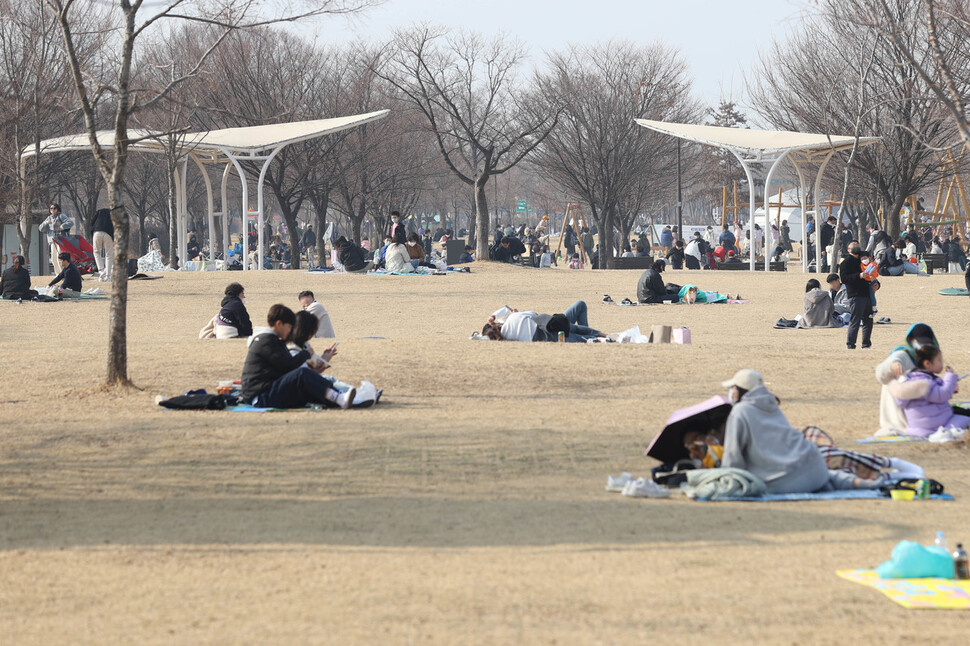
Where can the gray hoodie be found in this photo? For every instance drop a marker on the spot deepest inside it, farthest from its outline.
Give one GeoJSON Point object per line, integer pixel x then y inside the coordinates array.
{"type": "Point", "coordinates": [818, 309]}
{"type": "Point", "coordinates": [759, 439]}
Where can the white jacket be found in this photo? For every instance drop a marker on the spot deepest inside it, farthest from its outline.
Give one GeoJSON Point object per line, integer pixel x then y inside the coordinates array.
{"type": "Point", "coordinates": [397, 259]}
{"type": "Point", "coordinates": [325, 331]}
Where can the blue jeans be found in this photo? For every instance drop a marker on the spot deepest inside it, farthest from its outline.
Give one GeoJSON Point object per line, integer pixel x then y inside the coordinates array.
{"type": "Point", "coordinates": [579, 329]}
{"type": "Point", "coordinates": [296, 389]}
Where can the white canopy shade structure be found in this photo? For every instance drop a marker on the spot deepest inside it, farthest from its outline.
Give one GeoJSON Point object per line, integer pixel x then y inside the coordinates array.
{"type": "Point", "coordinates": [769, 147]}
{"type": "Point", "coordinates": [226, 147]}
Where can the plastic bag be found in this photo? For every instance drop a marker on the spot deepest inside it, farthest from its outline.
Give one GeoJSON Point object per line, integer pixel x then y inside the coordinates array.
{"type": "Point", "coordinates": [914, 561]}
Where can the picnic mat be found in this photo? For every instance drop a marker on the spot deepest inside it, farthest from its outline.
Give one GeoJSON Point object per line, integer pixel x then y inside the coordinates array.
{"type": "Point", "coordinates": [943, 594]}
{"type": "Point", "coordinates": [848, 494]}
{"type": "Point", "coordinates": [881, 439]}
{"type": "Point", "coordinates": [954, 291]}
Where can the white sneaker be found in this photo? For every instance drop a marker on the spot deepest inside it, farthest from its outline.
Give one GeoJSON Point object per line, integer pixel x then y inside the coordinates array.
{"type": "Point", "coordinates": [645, 488]}
{"type": "Point", "coordinates": [366, 395]}
{"type": "Point", "coordinates": [343, 399]}
{"type": "Point", "coordinates": [616, 484]}
{"type": "Point", "coordinates": [948, 434]}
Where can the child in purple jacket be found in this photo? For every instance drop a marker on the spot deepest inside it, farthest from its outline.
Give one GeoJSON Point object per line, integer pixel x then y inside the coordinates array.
{"type": "Point", "coordinates": [931, 409]}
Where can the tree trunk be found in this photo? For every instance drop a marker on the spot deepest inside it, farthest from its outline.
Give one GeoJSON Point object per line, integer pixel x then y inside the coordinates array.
{"type": "Point", "coordinates": [607, 260]}
{"type": "Point", "coordinates": [481, 215]}
{"type": "Point", "coordinates": [173, 259]}
{"type": "Point", "coordinates": [320, 208]}
{"type": "Point", "coordinates": [118, 312]}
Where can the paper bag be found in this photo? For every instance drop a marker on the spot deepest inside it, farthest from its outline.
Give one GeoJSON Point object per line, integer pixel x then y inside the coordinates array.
{"type": "Point", "coordinates": [660, 334]}
{"type": "Point", "coordinates": [681, 335]}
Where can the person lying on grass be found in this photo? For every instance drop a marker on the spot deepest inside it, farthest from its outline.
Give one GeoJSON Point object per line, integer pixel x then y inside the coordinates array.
{"type": "Point", "coordinates": [758, 438]}
{"type": "Point", "coordinates": [509, 324]}
{"type": "Point", "coordinates": [274, 378]}
{"type": "Point", "coordinates": [706, 449]}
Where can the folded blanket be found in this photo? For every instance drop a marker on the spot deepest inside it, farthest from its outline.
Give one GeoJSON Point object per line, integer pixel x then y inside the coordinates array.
{"type": "Point", "coordinates": [723, 484]}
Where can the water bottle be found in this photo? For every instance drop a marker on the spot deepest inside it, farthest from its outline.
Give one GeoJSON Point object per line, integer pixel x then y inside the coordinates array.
{"type": "Point", "coordinates": [940, 541]}
{"type": "Point", "coordinates": [960, 565]}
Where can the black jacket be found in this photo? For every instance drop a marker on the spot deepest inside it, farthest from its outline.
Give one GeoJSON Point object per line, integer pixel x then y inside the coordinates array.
{"type": "Point", "coordinates": [102, 222]}
{"type": "Point", "coordinates": [516, 248]}
{"type": "Point", "coordinates": [15, 284]}
{"type": "Point", "coordinates": [71, 277]}
{"type": "Point", "coordinates": [651, 284]}
{"type": "Point", "coordinates": [828, 235]}
{"type": "Point", "coordinates": [193, 249]}
{"type": "Point", "coordinates": [234, 313]}
{"type": "Point", "coordinates": [309, 239]}
{"type": "Point", "coordinates": [849, 273]}
{"type": "Point", "coordinates": [351, 257]}
{"type": "Point", "coordinates": [267, 361]}
{"type": "Point", "coordinates": [501, 254]}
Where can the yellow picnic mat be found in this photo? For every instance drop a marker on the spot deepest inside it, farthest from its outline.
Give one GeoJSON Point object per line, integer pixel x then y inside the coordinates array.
{"type": "Point", "coordinates": [944, 594]}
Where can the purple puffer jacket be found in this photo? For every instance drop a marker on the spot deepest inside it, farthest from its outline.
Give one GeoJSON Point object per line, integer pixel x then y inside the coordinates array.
{"type": "Point", "coordinates": [927, 412]}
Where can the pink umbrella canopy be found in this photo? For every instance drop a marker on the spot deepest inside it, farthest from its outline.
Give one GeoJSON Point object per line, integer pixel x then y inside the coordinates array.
{"type": "Point", "coordinates": [668, 445]}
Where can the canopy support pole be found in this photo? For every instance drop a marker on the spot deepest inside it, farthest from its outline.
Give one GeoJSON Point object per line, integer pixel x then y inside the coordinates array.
{"type": "Point", "coordinates": [210, 206]}
{"type": "Point", "coordinates": [803, 200]}
{"type": "Point", "coordinates": [259, 202]}
{"type": "Point", "coordinates": [225, 209]}
{"type": "Point", "coordinates": [766, 237]}
{"type": "Point", "coordinates": [245, 208]}
{"type": "Point", "coordinates": [747, 172]}
{"type": "Point", "coordinates": [818, 214]}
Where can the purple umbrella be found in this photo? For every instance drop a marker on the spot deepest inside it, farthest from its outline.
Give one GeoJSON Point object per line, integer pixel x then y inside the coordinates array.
{"type": "Point", "coordinates": [668, 445]}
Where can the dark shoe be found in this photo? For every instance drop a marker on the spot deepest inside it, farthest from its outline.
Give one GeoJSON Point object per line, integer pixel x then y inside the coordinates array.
{"type": "Point", "coordinates": [866, 346]}
{"type": "Point", "coordinates": [850, 346]}
{"type": "Point", "coordinates": [607, 299]}
{"type": "Point", "coordinates": [627, 301]}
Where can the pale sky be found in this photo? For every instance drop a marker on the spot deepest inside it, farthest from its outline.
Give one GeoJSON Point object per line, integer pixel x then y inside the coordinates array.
{"type": "Point", "coordinates": [719, 39]}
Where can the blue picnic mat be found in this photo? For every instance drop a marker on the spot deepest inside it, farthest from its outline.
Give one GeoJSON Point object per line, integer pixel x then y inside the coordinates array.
{"type": "Point", "coordinates": [849, 494]}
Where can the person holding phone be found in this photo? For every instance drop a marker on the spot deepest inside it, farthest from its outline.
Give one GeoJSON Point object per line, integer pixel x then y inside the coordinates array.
{"type": "Point", "coordinates": [274, 378]}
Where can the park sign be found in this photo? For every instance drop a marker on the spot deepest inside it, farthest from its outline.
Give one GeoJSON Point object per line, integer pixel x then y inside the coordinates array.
{"type": "Point", "coordinates": [520, 206]}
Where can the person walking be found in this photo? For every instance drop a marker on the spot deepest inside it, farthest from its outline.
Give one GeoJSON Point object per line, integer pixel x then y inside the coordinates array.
{"type": "Point", "coordinates": [860, 303]}
{"type": "Point", "coordinates": [309, 244]}
{"type": "Point", "coordinates": [102, 239]}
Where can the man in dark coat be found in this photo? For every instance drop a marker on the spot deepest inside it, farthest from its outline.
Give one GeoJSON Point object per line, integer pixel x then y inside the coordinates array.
{"type": "Point", "coordinates": [651, 288]}
{"type": "Point", "coordinates": [857, 290]}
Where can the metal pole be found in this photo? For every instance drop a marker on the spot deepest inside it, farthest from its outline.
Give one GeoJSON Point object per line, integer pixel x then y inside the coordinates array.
{"type": "Point", "coordinates": [680, 208]}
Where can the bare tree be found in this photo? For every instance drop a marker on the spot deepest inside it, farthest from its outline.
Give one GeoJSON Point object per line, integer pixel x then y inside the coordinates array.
{"type": "Point", "coordinates": [598, 153]}
{"type": "Point", "coordinates": [130, 23]}
{"type": "Point", "coordinates": [467, 89]}
{"type": "Point", "coordinates": [800, 86]}
{"type": "Point", "coordinates": [35, 102]}
{"type": "Point", "coordinates": [938, 53]}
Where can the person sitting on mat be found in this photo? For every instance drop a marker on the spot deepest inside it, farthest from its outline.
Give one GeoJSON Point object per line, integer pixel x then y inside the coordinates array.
{"type": "Point", "coordinates": [233, 319]}
{"type": "Point", "coordinates": [397, 260]}
{"type": "Point", "coordinates": [758, 438]}
{"type": "Point", "coordinates": [311, 305]}
{"type": "Point", "coordinates": [69, 274]}
{"type": "Point", "coordinates": [15, 283]}
{"type": "Point", "coordinates": [274, 378]}
{"type": "Point", "coordinates": [930, 408]}
{"type": "Point", "coordinates": [651, 289]}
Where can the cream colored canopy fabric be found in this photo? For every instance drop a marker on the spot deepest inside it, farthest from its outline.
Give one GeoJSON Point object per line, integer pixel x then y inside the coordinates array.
{"type": "Point", "coordinates": [768, 142]}
{"type": "Point", "coordinates": [244, 141]}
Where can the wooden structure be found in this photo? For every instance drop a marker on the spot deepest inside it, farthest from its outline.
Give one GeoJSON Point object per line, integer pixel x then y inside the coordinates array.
{"type": "Point", "coordinates": [574, 215]}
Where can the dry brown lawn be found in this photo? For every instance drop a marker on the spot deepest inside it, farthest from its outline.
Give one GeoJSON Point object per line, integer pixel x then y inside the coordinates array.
{"type": "Point", "coordinates": [468, 507]}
